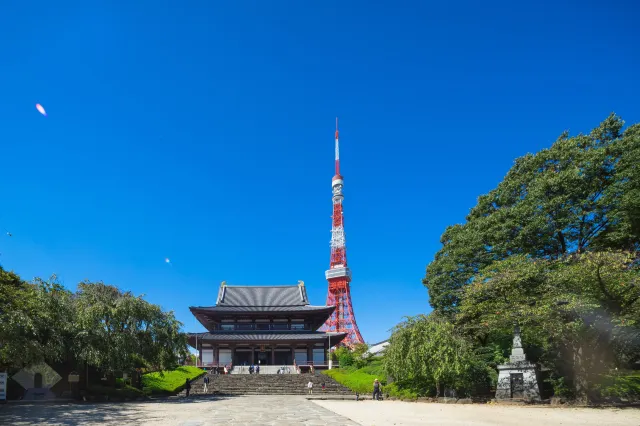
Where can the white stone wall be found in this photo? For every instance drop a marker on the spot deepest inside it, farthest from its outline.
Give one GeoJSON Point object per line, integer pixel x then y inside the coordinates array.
{"type": "Point", "coordinates": [531, 390]}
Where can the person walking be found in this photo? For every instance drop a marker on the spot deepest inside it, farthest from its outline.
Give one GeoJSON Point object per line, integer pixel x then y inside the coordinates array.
{"type": "Point", "coordinates": [206, 383]}
{"type": "Point", "coordinates": [376, 389]}
{"type": "Point", "coordinates": [187, 386]}
{"type": "Point", "coordinates": [310, 387]}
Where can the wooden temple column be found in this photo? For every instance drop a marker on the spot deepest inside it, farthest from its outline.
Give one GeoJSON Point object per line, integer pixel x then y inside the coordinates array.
{"type": "Point", "coordinates": [293, 354]}
{"type": "Point", "coordinates": [253, 354]}
{"type": "Point", "coordinates": [309, 353]}
{"type": "Point", "coordinates": [273, 355]}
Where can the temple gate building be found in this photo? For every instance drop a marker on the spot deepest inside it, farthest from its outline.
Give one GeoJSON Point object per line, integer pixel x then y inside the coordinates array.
{"type": "Point", "coordinates": [269, 325]}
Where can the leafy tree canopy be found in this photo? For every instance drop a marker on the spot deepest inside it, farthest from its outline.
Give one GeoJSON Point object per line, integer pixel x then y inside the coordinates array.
{"type": "Point", "coordinates": [99, 324]}
{"type": "Point", "coordinates": [582, 194]}
{"type": "Point", "coordinates": [427, 351]}
{"type": "Point", "coordinates": [582, 312]}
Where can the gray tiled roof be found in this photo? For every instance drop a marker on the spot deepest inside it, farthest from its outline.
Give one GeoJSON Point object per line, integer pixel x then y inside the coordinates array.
{"type": "Point", "coordinates": [225, 308]}
{"type": "Point", "coordinates": [282, 335]}
{"type": "Point", "coordinates": [291, 295]}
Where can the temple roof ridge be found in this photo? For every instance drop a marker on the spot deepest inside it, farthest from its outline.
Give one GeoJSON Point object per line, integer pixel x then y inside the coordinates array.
{"type": "Point", "coordinates": [261, 286]}
{"type": "Point", "coordinates": [259, 295]}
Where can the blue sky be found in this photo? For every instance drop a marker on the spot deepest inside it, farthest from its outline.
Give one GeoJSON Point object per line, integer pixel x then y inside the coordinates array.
{"type": "Point", "coordinates": [203, 132]}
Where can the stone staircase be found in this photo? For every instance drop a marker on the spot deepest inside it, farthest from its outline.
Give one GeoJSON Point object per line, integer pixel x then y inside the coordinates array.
{"type": "Point", "coordinates": [268, 384]}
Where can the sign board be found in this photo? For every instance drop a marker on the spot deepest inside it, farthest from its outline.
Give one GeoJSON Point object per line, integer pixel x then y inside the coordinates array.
{"type": "Point", "coordinates": [3, 386]}
{"type": "Point", "coordinates": [125, 376]}
{"type": "Point", "coordinates": [74, 378]}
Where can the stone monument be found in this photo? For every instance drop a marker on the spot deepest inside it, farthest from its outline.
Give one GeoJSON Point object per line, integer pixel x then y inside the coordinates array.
{"type": "Point", "coordinates": [37, 380]}
{"type": "Point", "coordinates": [517, 379]}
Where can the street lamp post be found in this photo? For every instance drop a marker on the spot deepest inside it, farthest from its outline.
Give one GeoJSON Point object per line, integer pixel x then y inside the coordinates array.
{"type": "Point", "coordinates": [330, 360]}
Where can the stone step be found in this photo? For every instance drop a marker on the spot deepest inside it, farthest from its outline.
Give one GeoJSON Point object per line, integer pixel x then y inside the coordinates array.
{"type": "Point", "coordinates": [272, 388]}
{"type": "Point", "coordinates": [328, 388]}
{"type": "Point", "coordinates": [267, 392]}
{"type": "Point", "coordinates": [269, 384]}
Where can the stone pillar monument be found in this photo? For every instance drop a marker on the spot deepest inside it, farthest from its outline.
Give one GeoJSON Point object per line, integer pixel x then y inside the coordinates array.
{"type": "Point", "coordinates": [517, 379]}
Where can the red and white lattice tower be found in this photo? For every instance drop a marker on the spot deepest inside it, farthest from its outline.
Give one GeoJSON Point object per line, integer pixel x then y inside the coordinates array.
{"type": "Point", "coordinates": [339, 275]}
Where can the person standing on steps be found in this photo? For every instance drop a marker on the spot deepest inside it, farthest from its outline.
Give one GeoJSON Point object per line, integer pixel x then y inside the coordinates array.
{"type": "Point", "coordinates": [187, 387]}
{"type": "Point", "coordinates": [310, 387]}
{"type": "Point", "coordinates": [206, 383]}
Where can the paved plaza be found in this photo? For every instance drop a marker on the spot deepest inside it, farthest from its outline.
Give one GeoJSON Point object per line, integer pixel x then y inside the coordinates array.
{"type": "Point", "coordinates": [296, 410]}
{"type": "Point", "coordinates": [411, 413]}
{"type": "Point", "coordinates": [228, 411]}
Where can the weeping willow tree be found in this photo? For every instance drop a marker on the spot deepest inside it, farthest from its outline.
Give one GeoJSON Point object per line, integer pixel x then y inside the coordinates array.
{"type": "Point", "coordinates": [427, 353]}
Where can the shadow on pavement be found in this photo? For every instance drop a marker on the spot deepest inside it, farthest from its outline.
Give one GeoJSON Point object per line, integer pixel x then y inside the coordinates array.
{"type": "Point", "coordinates": [83, 413]}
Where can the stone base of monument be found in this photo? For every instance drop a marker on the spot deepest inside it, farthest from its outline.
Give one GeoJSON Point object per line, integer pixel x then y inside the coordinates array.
{"type": "Point", "coordinates": [518, 381]}
{"type": "Point", "coordinates": [38, 394]}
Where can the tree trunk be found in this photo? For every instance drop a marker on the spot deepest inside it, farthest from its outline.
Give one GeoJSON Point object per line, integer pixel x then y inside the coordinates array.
{"type": "Point", "coordinates": [437, 389]}
{"type": "Point", "coordinates": [580, 374]}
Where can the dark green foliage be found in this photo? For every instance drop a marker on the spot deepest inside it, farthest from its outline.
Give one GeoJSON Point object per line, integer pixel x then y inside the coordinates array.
{"type": "Point", "coordinates": [348, 357]}
{"type": "Point", "coordinates": [621, 385]}
{"type": "Point", "coordinates": [582, 194]}
{"type": "Point", "coordinates": [427, 352]}
{"type": "Point", "coordinates": [110, 329]}
{"type": "Point", "coordinates": [121, 331]}
{"type": "Point", "coordinates": [36, 321]}
{"type": "Point", "coordinates": [555, 248]}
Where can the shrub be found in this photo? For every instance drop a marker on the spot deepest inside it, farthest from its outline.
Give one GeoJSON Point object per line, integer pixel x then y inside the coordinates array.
{"type": "Point", "coordinates": [344, 356]}
{"type": "Point", "coordinates": [621, 385]}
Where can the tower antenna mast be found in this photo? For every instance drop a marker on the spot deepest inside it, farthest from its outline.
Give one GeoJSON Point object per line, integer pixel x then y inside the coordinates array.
{"type": "Point", "coordinates": [342, 320]}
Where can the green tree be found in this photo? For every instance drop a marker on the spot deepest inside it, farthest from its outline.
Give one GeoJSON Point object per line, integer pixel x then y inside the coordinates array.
{"type": "Point", "coordinates": [14, 318]}
{"type": "Point", "coordinates": [36, 321]}
{"type": "Point", "coordinates": [120, 331]}
{"type": "Point", "coordinates": [582, 194]}
{"type": "Point", "coordinates": [427, 351]}
{"type": "Point", "coordinates": [582, 312]}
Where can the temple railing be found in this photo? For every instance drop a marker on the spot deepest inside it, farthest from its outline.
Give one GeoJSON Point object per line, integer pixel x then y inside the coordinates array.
{"type": "Point", "coordinates": [322, 365]}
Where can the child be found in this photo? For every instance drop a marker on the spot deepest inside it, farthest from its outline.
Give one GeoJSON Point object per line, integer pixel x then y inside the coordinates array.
{"type": "Point", "coordinates": [322, 386]}
{"type": "Point", "coordinates": [310, 386]}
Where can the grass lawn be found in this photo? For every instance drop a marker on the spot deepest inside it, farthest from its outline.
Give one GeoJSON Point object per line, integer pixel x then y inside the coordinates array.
{"type": "Point", "coordinates": [361, 380]}
{"type": "Point", "coordinates": [169, 382]}
{"type": "Point", "coordinates": [121, 392]}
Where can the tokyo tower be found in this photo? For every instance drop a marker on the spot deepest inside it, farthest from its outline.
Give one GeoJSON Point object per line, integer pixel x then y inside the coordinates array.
{"type": "Point", "coordinates": [342, 320]}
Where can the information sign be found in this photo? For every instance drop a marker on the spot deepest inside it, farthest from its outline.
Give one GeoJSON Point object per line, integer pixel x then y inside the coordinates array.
{"type": "Point", "coordinates": [3, 386]}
